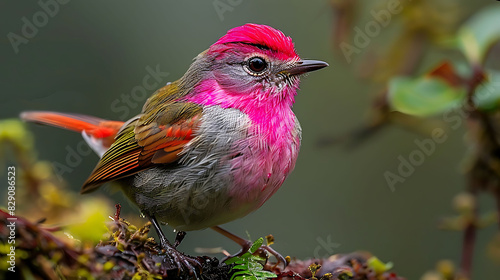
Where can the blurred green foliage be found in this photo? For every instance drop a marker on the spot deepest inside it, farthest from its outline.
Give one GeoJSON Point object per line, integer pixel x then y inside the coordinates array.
{"type": "Point", "coordinates": [426, 96]}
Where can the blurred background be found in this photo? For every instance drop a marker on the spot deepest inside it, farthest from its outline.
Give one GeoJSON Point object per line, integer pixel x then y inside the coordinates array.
{"type": "Point", "coordinates": [87, 57]}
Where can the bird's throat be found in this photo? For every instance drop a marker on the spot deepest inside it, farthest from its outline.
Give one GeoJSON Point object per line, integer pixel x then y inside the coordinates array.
{"type": "Point", "coordinates": [270, 113]}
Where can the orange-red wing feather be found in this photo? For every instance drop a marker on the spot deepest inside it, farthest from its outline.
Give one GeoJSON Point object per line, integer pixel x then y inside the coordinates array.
{"type": "Point", "coordinates": [155, 137]}
{"type": "Point", "coordinates": [162, 143]}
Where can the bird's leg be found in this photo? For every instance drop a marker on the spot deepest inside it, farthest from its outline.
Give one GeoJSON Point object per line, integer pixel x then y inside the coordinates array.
{"type": "Point", "coordinates": [177, 257]}
{"type": "Point", "coordinates": [164, 243]}
{"type": "Point", "coordinates": [245, 245]}
{"type": "Point", "coordinates": [179, 237]}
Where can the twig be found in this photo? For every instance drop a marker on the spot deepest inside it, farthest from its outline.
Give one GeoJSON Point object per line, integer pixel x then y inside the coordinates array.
{"type": "Point", "coordinates": [469, 242]}
{"type": "Point", "coordinates": [497, 198]}
{"type": "Point", "coordinates": [469, 238]}
{"type": "Point", "coordinates": [118, 210]}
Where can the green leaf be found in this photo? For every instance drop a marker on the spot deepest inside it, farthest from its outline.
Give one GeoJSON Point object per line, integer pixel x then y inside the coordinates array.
{"type": "Point", "coordinates": [239, 259]}
{"type": "Point", "coordinates": [241, 273]}
{"type": "Point", "coordinates": [248, 266]}
{"type": "Point", "coordinates": [265, 274]}
{"type": "Point", "coordinates": [487, 95]}
{"type": "Point", "coordinates": [240, 267]}
{"type": "Point", "coordinates": [232, 260]}
{"type": "Point", "coordinates": [423, 96]}
{"type": "Point", "coordinates": [255, 266]}
{"type": "Point", "coordinates": [258, 258]}
{"type": "Point", "coordinates": [479, 33]}
{"type": "Point", "coordinates": [256, 245]}
{"type": "Point", "coordinates": [378, 266]}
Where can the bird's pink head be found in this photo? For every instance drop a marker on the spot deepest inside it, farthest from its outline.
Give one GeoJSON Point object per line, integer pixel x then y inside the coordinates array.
{"type": "Point", "coordinates": [250, 66]}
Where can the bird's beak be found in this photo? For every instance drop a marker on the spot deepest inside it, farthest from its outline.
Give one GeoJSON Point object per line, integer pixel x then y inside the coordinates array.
{"type": "Point", "coordinates": [304, 66]}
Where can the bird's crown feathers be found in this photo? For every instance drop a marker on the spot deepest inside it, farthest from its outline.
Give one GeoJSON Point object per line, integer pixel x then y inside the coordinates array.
{"type": "Point", "coordinates": [262, 36]}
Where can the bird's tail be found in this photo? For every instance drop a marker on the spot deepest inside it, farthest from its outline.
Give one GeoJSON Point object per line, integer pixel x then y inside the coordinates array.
{"type": "Point", "coordinates": [98, 133]}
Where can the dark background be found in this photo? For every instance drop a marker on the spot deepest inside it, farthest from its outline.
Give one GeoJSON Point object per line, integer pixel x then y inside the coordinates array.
{"type": "Point", "coordinates": [92, 52]}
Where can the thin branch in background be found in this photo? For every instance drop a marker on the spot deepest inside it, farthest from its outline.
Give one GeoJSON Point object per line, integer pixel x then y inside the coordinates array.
{"type": "Point", "coordinates": [468, 250]}
{"type": "Point", "coordinates": [344, 12]}
{"type": "Point", "coordinates": [497, 198]}
{"type": "Point", "coordinates": [412, 60]}
{"type": "Point", "coordinates": [469, 237]}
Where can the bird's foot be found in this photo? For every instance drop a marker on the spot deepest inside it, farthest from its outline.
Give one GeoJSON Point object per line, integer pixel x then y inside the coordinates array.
{"type": "Point", "coordinates": [245, 245]}
{"type": "Point", "coordinates": [179, 237]}
{"type": "Point", "coordinates": [262, 251]}
{"type": "Point", "coordinates": [276, 254]}
{"type": "Point", "coordinates": [183, 262]}
{"type": "Point", "coordinates": [243, 250]}
{"type": "Point", "coordinates": [179, 260]}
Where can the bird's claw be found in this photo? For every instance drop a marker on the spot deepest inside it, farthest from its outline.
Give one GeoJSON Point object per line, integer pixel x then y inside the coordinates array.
{"type": "Point", "coordinates": [260, 251]}
{"type": "Point", "coordinates": [183, 262]}
{"type": "Point", "coordinates": [275, 253]}
{"type": "Point", "coordinates": [178, 238]}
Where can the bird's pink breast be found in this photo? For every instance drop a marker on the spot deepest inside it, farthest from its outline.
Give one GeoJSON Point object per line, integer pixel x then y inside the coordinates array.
{"type": "Point", "coordinates": [269, 152]}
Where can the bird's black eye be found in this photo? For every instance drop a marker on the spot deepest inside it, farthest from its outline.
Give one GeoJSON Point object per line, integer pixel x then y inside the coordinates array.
{"type": "Point", "coordinates": [257, 64]}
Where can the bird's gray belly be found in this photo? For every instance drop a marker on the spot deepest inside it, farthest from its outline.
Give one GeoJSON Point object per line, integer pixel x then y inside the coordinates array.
{"type": "Point", "coordinates": [195, 193]}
